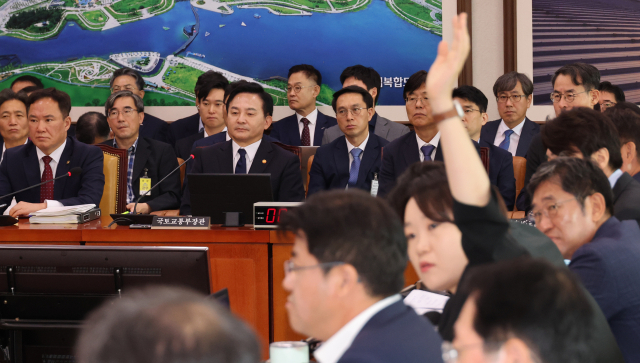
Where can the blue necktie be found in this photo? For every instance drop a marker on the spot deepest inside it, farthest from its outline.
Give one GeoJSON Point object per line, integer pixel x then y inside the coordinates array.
{"type": "Point", "coordinates": [241, 166]}
{"type": "Point", "coordinates": [507, 140]}
{"type": "Point", "coordinates": [355, 167]}
{"type": "Point", "coordinates": [426, 151]}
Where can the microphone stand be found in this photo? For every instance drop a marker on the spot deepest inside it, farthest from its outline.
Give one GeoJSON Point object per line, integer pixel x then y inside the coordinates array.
{"type": "Point", "coordinates": [158, 183]}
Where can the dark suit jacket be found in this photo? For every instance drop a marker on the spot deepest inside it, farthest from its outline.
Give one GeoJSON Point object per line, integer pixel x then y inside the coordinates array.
{"type": "Point", "coordinates": [608, 267]}
{"type": "Point", "coordinates": [284, 167]}
{"type": "Point", "coordinates": [381, 126]}
{"type": "Point", "coordinates": [395, 334]}
{"type": "Point", "coordinates": [157, 129]}
{"type": "Point", "coordinates": [636, 176]}
{"type": "Point", "coordinates": [185, 145]}
{"type": "Point", "coordinates": [287, 130]}
{"type": "Point", "coordinates": [626, 198]}
{"type": "Point", "coordinates": [330, 168]}
{"type": "Point", "coordinates": [185, 127]}
{"type": "Point", "coordinates": [20, 169]}
{"type": "Point", "coordinates": [536, 155]}
{"type": "Point", "coordinates": [159, 160]}
{"type": "Point", "coordinates": [529, 130]}
{"type": "Point", "coordinates": [1, 142]}
{"type": "Point", "coordinates": [501, 172]}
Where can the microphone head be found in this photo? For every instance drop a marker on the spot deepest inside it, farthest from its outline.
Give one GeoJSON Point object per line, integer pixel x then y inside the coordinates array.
{"type": "Point", "coordinates": [192, 157]}
{"type": "Point", "coordinates": [75, 171]}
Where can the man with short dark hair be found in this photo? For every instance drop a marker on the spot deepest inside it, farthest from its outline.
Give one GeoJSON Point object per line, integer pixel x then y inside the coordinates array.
{"type": "Point", "coordinates": [92, 128]}
{"type": "Point", "coordinates": [474, 104]}
{"type": "Point", "coordinates": [307, 126]}
{"type": "Point", "coordinates": [249, 113]}
{"type": "Point", "coordinates": [25, 81]}
{"type": "Point", "coordinates": [610, 95]}
{"type": "Point", "coordinates": [352, 160]}
{"type": "Point", "coordinates": [368, 79]}
{"type": "Point", "coordinates": [345, 272]}
{"type": "Point", "coordinates": [14, 126]}
{"type": "Point", "coordinates": [50, 154]}
{"type": "Point", "coordinates": [573, 205]}
{"type": "Point", "coordinates": [514, 93]}
{"type": "Point", "coordinates": [627, 123]}
{"type": "Point", "coordinates": [149, 160]}
{"type": "Point", "coordinates": [195, 124]}
{"type": "Point", "coordinates": [127, 79]}
{"type": "Point", "coordinates": [588, 134]}
{"type": "Point", "coordinates": [165, 324]}
{"type": "Point", "coordinates": [548, 319]}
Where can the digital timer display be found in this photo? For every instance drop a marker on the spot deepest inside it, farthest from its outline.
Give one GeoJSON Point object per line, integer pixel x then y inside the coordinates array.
{"type": "Point", "coordinates": [268, 214]}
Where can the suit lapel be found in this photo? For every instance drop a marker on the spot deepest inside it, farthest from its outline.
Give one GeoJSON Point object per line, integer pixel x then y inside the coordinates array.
{"type": "Point", "coordinates": [63, 167]}
{"type": "Point", "coordinates": [620, 186]}
{"type": "Point", "coordinates": [371, 154]}
{"type": "Point", "coordinates": [32, 166]}
{"type": "Point", "coordinates": [341, 158]}
{"type": "Point", "coordinates": [293, 130]}
{"type": "Point", "coordinates": [410, 150]}
{"type": "Point", "coordinates": [265, 152]}
{"type": "Point", "coordinates": [225, 157]}
{"type": "Point", "coordinates": [142, 155]}
{"type": "Point", "coordinates": [525, 138]}
{"type": "Point", "coordinates": [321, 125]}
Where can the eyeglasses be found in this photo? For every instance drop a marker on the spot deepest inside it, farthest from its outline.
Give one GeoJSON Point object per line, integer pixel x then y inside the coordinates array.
{"type": "Point", "coordinates": [451, 354]}
{"type": "Point", "coordinates": [606, 105]}
{"type": "Point", "coordinates": [414, 100]}
{"type": "Point", "coordinates": [356, 111]}
{"type": "Point", "coordinates": [513, 98]}
{"type": "Point", "coordinates": [549, 211]}
{"type": "Point", "coordinates": [569, 97]}
{"type": "Point", "coordinates": [127, 112]}
{"type": "Point", "coordinates": [127, 87]}
{"type": "Point", "coordinates": [471, 110]}
{"type": "Point", "coordinates": [297, 88]}
{"type": "Point", "coordinates": [289, 266]}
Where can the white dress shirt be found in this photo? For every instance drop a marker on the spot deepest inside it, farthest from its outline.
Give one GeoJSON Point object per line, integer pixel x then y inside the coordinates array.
{"type": "Point", "coordinates": [251, 153]}
{"type": "Point", "coordinates": [223, 130]}
{"type": "Point", "coordinates": [4, 149]}
{"type": "Point", "coordinates": [55, 161]}
{"type": "Point", "coordinates": [613, 179]}
{"type": "Point", "coordinates": [313, 118]}
{"type": "Point", "coordinates": [435, 141]}
{"type": "Point", "coordinates": [513, 140]}
{"type": "Point", "coordinates": [334, 348]}
{"type": "Point", "coordinates": [351, 147]}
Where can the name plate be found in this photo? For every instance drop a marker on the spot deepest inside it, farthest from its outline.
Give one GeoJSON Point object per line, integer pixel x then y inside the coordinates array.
{"type": "Point", "coordinates": [181, 223]}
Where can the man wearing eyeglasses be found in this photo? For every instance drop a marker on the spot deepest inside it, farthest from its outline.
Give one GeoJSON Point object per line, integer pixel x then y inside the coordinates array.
{"type": "Point", "coordinates": [514, 131]}
{"type": "Point", "coordinates": [149, 160]}
{"type": "Point", "coordinates": [610, 95]}
{"type": "Point", "coordinates": [352, 160]}
{"type": "Point", "coordinates": [127, 79]}
{"type": "Point", "coordinates": [306, 127]}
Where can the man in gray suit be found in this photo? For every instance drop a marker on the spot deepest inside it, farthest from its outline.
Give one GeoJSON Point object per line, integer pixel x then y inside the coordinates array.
{"type": "Point", "coordinates": [369, 79]}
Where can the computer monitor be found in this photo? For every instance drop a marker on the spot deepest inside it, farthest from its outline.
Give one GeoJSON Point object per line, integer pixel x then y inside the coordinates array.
{"type": "Point", "coordinates": [214, 194]}
{"type": "Point", "coordinates": [47, 291]}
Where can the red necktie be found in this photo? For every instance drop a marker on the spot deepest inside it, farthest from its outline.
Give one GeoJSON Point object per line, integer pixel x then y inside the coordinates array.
{"type": "Point", "coordinates": [46, 190]}
{"type": "Point", "coordinates": [305, 140]}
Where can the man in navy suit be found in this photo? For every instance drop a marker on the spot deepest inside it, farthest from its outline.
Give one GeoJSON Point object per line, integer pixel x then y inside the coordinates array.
{"type": "Point", "coordinates": [474, 103]}
{"type": "Point", "coordinates": [249, 110]}
{"type": "Point", "coordinates": [306, 127]}
{"type": "Point", "coordinates": [211, 113]}
{"type": "Point", "coordinates": [127, 79]}
{"type": "Point", "coordinates": [572, 205]}
{"type": "Point", "coordinates": [514, 93]}
{"type": "Point", "coordinates": [344, 277]}
{"type": "Point", "coordinates": [352, 160]}
{"type": "Point", "coordinates": [14, 126]}
{"type": "Point", "coordinates": [48, 155]}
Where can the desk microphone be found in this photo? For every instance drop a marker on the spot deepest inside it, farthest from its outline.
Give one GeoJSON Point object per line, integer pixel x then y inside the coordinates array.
{"type": "Point", "coordinates": [191, 157]}
{"type": "Point", "coordinates": [73, 172]}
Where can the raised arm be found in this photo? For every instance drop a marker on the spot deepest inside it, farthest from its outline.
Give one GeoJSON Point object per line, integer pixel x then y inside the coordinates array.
{"type": "Point", "coordinates": [468, 179]}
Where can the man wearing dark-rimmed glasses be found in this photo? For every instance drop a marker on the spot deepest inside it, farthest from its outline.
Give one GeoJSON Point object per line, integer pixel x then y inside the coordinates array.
{"type": "Point", "coordinates": [149, 160]}
{"type": "Point", "coordinates": [352, 160]}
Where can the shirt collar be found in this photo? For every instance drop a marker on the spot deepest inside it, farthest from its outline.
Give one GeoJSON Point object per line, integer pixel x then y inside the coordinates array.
{"type": "Point", "coordinates": [251, 149]}
{"type": "Point", "coordinates": [334, 348]}
{"type": "Point", "coordinates": [132, 148]}
{"type": "Point", "coordinates": [55, 155]}
{"type": "Point", "coordinates": [613, 179]}
{"type": "Point", "coordinates": [312, 117]}
{"type": "Point", "coordinates": [200, 124]}
{"type": "Point", "coordinates": [517, 130]}
{"type": "Point", "coordinates": [435, 141]}
{"type": "Point", "coordinates": [361, 146]}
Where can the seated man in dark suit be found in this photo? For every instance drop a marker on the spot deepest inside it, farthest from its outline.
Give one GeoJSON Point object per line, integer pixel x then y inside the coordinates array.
{"type": "Point", "coordinates": [588, 134]}
{"type": "Point", "coordinates": [14, 125]}
{"type": "Point", "coordinates": [352, 160]}
{"type": "Point", "coordinates": [127, 79]}
{"type": "Point", "coordinates": [369, 79]}
{"type": "Point", "coordinates": [92, 128]}
{"type": "Point", "coordinates": [572, 205]}
{"type": "Point", "coordinates": [626, 118]}
{"type": "Point", "coordinates": [194, 124]}
{"type": "Point", "coordinates": [49, 154]}
{"type": "Point", "coordinates": [514, 93]}
{"type": "Point", "coordinates": [306, 127]}
{"type": "Point", "coordinates": [249, 110]}
{"type": "Point", "coordinates": [474, 103]}
{"type": "Point", "coordinates": [149, 160]}
{"type": "Point", "coordinates": [211, 113]}
{"type": "Point", "coordinates": [344, 277]}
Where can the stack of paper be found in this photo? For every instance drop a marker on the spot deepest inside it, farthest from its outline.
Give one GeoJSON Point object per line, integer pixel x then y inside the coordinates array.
{"type": "Point", "coordinates": [425, 301]}
{"type": "Point", "coordinates": [60, 214]}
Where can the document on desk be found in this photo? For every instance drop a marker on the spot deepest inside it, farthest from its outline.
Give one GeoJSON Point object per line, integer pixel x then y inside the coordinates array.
{"type": "Point", "coordinates": [64, 211]}
{"type": "Point", "coordinates": [424, 301]}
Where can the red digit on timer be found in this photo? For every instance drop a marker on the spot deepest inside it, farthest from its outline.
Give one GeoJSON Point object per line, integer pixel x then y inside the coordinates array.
{"type": "Point", "coordinates": [280, 213]}
{"type": "Point", "coordinates": [271, 213]}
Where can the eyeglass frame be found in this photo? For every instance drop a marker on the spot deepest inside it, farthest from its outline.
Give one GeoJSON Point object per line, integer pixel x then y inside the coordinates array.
{"type": "Point", "coordinates": [127, 112]}
{"type": "Point", "coordinates": [608, 104]}
{"type": "Point", "coordinates": [289, 89]}
{"type": "Point", "coordinates": [566, 96]}
{"type": "Point", "coordinates": [134, 88]}
{"type": "Point", "coordinates": [408, 100]}
{"type": "Point", "coordinates": [531, 215]}
{"type": "Point", "coordinates": [356, 111]}
{"type": "Point", "coordinates": [290, 267]}
{"type": "Point", "coordinates": [511, 98]}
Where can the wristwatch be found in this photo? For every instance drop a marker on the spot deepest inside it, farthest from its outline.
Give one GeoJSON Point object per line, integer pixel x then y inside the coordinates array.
{"type": "Point", "coordinates": [455, 111]}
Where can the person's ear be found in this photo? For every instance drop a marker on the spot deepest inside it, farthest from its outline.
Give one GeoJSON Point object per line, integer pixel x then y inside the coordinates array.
{"type": "Point", "coordinates": [141, 94]}
{"type": "Point", "coordinates": [370, 111]}
{"type": "Point", "coordinates": [268, 121]}
{"type": "Point", "coordinates": [67, 123]}
{"type": "Point", "coordinates": [141, 114]}
{"type": "Point", "coordinates": [344, 278]}
{"type": "Point", "coordinates": [529, 100]}
{"type": "Point", "coordinates": [515, 350]}
{"type": "Point", "coordinates": [373, 92]}
{"type": "Point", "coordinates": [485, 118]}
{"type": "Point", "coordinates": [594, 97]}
{"type": "Point", "coordinates": [316, 90]}
{"type": "Point", "coordinates": [601, 158]}
{"type": "Point", "coordinates": [598, 206]}
{"type": "Point", "coordinates": [628, 152]}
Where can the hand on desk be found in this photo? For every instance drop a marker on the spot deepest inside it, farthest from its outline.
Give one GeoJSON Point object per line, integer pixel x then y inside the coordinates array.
{"type": "Point", "coordinates": [24, 209]}
{"type": "Point", "coordinates": [142, 208]}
